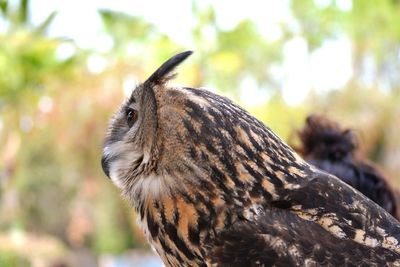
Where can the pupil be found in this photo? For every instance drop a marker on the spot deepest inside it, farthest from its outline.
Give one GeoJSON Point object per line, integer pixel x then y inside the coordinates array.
{"type": "Point", "coordinates": [131, 117]}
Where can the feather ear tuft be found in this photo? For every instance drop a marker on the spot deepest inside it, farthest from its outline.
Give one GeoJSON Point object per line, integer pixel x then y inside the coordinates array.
{"type": "Point", "coordinates": [164, 72]}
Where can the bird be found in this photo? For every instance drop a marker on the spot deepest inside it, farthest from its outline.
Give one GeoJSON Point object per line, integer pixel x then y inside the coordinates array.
{"type": "Point", "coordinates": [214, 186]}
{"type": "Point", "coordinates": [334, 149]}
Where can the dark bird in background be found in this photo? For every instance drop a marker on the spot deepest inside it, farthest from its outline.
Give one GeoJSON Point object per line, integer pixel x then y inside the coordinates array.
{"type": "Point", "coordinates": [326, 145]}
{"type": "Point", "coordinates": [213, 186]}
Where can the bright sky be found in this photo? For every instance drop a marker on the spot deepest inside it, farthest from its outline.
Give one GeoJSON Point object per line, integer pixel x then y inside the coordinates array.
{"type": "Point", "coordinates": [327, 68]}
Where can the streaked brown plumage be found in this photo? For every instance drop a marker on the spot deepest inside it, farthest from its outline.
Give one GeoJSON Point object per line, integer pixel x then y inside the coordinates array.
{"type": "Point", "coordinates": [214, 186]}
{"type": "Point", "coordinates": [326, 145]}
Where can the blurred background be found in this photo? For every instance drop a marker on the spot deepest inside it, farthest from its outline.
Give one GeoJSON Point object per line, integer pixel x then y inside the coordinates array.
{"type": "Point", "coordinates": [65, 66]}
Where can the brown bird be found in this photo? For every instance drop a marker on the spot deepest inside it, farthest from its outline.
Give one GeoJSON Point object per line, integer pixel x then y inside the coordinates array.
{"type": "Point", "coordinates": [213, 186]}
{"type": "Point", "coordinates": [326, 145]}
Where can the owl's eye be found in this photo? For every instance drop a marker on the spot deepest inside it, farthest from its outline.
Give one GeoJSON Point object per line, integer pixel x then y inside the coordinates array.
{"type": "Point", "coordinates": [131, 117]}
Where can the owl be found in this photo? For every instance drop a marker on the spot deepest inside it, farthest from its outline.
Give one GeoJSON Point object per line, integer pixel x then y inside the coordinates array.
{"type": "Point", "coordinates": [214, 186]}
{"type": "Point", "coordinates": [328, 146]}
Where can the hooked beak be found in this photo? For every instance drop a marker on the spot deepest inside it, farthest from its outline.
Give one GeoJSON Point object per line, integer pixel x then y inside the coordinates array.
{"type": "Point", "coordinates": [105, 165]}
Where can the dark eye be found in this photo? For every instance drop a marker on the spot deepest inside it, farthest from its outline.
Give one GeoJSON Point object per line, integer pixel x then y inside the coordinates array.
{"type": "Point", "coordinates": [131, 117]}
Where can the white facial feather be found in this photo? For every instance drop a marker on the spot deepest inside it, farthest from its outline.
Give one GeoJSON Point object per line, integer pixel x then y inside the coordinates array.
{"type": "Point", "coordinates": [151, 186]}
{"type": "Point", "coordinates": [124, 157]}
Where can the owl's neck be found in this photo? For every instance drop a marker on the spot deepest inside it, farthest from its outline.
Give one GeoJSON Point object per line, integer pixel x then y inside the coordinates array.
{"type": "Point", "coordinates": [179, 226]}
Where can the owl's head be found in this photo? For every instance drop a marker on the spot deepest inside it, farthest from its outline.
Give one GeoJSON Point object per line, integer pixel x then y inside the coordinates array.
{"type": "Point", "coordinates": [145, 138]}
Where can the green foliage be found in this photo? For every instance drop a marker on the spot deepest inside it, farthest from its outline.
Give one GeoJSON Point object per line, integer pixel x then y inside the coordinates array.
{"type": "Point", "coordinates": [3, 6]}
{"type": "Point", "coordinates": [11, 259]}
{"type": "Point", "coordinates": [125, 29]}
{"type": "Point", "coordinates": [25, 63]}
{"type": "Point", "coordinates": [42, 28]}
{"type": "Point", "coordinates": [373, 28]}
{"type": "Point", "coordinates": [319, 23]}
{"type": "Point", "coordinates": [27, 57]}
{"type": "Point", "coordinates": [237, 56]}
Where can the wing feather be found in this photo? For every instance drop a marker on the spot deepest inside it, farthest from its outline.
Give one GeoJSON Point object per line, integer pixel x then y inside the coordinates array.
{"type": "Point", "coordinates": [282, 238]}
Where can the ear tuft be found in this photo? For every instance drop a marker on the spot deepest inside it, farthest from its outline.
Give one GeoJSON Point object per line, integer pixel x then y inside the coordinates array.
{"type": "Point", "coordinates": [164, 72]}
